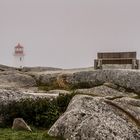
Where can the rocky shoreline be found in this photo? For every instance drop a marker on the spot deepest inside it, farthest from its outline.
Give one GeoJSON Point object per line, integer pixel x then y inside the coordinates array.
{"type": "Point", "coordinates": [106, 105]}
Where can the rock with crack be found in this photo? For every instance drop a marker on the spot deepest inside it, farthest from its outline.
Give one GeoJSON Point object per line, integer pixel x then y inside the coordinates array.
{"type": "Point", "coordinates": [104, 91]}
{"type": "Point", "coordinates": [126, 79]}
{"type": "Point", "coordinates": [129, 105]}
{"type": "Point", "coordinates": [96, 118]}
{"type": "Point", "coordinates": [111, 85]}
{"type": "Point", "coordinates": [59, 92]}
{"type": "Point", "coordinates": [8, 95]}
{"type": "Point", "coordinates": [20, 124]}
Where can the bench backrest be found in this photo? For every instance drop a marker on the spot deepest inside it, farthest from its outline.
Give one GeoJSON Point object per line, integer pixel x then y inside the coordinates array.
{"type": "Point", "coordinates": [111, 55]}
{"type": "Point", "coordinates": [117, 57]}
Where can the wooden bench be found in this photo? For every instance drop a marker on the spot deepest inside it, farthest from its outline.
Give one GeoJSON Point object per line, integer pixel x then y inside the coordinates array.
{"type": "Point", "coordinates": [118, 58]}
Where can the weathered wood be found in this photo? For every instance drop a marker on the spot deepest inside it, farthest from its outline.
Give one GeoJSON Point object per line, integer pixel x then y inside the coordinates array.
{"type": "Point", "coordinates": [117, 61]}
{"type": "Point", "coordinates": [116, 55]}
{"type": "Point", "coordinates": [120, 58]}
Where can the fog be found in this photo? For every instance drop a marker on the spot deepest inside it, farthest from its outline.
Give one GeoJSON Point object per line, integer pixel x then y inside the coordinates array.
{"type": "Point", "coordinates": [67, 33]}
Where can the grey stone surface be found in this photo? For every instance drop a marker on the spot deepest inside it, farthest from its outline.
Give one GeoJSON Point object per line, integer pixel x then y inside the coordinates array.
{"type": "Point", "coordinates": [104, 91]}
{"type": "Point", "coordinates": [129, 79]}
{"type": "Point", "coordinates": [113, 115]}
{"type": "Point", "coordinates": [6, 68]}
{"type": "Point", "coordinates": [20, 124]}
{"type": "Point", "coordinates": [39, 69]}
{"type": "Point", "coordinates": [16, 79]}
{"type": "Point", "coordinates": [59, 92]}
{"type": "Point", "coordinates": [97, 118]}
{"type": "Point", "coordinates": [111, 85]}
{"type": "Point", "coordinates": [8, 95]}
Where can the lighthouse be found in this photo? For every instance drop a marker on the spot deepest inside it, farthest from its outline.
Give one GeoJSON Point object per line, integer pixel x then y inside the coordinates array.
{"type": "Point", "coordinates": [19, 56]}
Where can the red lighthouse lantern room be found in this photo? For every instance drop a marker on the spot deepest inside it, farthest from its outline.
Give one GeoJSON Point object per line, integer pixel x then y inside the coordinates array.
{"type": "Point", "coordinates": [19, 50]}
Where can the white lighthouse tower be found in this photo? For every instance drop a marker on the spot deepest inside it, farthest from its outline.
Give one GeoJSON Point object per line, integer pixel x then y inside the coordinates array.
{"type": "Point", "coordinates": [19, 56]}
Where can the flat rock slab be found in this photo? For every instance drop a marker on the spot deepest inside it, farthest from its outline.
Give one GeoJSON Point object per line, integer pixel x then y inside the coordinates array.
{"type": "Point", "coordinates": [104, 91]}
{"type": "Point", "coordinates": [7, 95]}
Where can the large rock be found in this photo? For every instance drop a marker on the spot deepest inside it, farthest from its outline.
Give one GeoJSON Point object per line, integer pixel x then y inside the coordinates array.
{"type": "Point", "coordinates": [97, 118]}
{"type": "Point", "coordinates": [105, 91]}
{"type": "Point", "coordinates": [16, 79]}
{"type": "Point", "coordinates": [8, 95]}
{"type": "Point", "coordinates": [20, 124]}
{"type": "Point", "coordinates": [128, 79]}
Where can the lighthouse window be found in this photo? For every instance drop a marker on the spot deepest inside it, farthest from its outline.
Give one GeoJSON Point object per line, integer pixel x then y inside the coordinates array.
{"type": "Point", "coordinates": [20, 58]}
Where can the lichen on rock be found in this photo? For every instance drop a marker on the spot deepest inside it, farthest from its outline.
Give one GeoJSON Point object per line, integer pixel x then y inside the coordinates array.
{"type": "Point", "coordinates": [90, 117]}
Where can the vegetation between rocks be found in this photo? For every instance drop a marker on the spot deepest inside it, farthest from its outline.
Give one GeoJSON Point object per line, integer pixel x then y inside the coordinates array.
{"type": "Point", "coordinates": [41, 112]}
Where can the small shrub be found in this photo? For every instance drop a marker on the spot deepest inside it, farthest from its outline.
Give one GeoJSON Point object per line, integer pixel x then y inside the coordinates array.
{"type": "Point", "coordinates": [63, 101]}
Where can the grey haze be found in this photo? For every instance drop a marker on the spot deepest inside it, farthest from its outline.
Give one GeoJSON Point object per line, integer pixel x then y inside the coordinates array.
{"type": "Point", "coordinates": [67, 33]}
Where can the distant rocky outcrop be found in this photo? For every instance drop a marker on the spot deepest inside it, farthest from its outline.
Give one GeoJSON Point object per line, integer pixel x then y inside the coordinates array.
{"type": "Point", "coordinates": [99, 118]}
{"type": "Point", "coordinates": [27, 69]}
{"type": "Point", "coordinates": [20, 124]}
{"type": "Point", "coordinates": [6, 68]}
{"type": "Point", "coordinates": [39, 69]}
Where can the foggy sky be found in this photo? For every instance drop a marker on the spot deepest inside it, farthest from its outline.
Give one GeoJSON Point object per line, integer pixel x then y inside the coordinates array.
{"type": "Point", "coordinates": [67, 33]}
